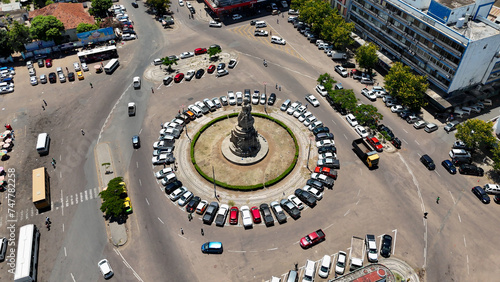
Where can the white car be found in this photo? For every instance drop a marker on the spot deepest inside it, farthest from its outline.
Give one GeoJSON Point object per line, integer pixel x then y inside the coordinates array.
{"type": "Point", "coordinates": [299, 111]}
{"type": "Point", "coordinates": [277, 40]}
{"type": "Point", "coordinates": [246, 217]}
{"type": "Point", "coordinates": [163, 172]}
{"type": "Point", "coordinates": [260, 32]}
{"type": "Point", "coordinates": [105, 268]}
{"type": "Point", "coordinates": [255, 98]}
{"type": "Point", "coordinates": [185, 198]}
{"type": "Point", "coordinates": [304, 116]}
{"type": "Point", "coordinates": [397, 108]}
{"type": "Point", "coordinates": [420, 124]}
{"type": "Point", "coordinates": [6, 89]}
{"type": "Point", "coordinates": [369, 94]}
{"type": "Point", "coordinates": [231, 97]}
{"type": "Point", "coordinates": [223, 210]}
{"type": "Point", "coordinates": [311, 99]}
{"type": "Point", "coordinates": [316, 193]}
{"type": "Point", "coordinates": [324, 143]}
{"type": "Point", "coordinates": [33, 80]}
{"type": "Point", "coordinates": [351, 119]}
{"type": "Point", "coordinates": [200, 209]}
{"type": "Point", "coordinates": [309, 120]}
{"type": "Point", "coordinates": [85, 67]}
{"type": "Point", "coordinates": [340, 265]}
{"type": "Point", "coordinates": [189, 75]}
{"type": "Point", "coordinates": [185, 55]}
{"type": "Point", "coordinates": [237, 17]}
{"type": "Point", "coordinates": [222, 73]}
{"type": "Point", "coordinates": [32, 72]}
{"type": "Point", "coordinates": [181, 3]}
{"type": "Point", "coordinates": [214, 24]}
{"type": "Point", "coordinates": [263, 98]}
{"type": "Point", "coordinates": [43, 79]}
{"type": "Point", "coordinates": [128, 36]}
{"type": "Point", "coordinates": [321, 90]}
{"type": "Point", "coordinates": [76, 65]}
{"type": "Point", "coordinates": [296, 202]}
{"type": "Point", "coordinates": [361, 131]}
{"type": "Point", "coordinates": [62, 77]}
{"type": "Point", "coordinates": [189, 5]}
{"type": "Point", "coordinates": [327, 155]}
{"type": "Point", "coordinates": [157, 62]}
{"type": "Point", "coordinates": [379, 91]}
{"type": "Point", "coordinates": [217, 102]}
{"type": "Point", "coordinates": [293, 107]}
{"type": "Point", "coordinates": [324, 268]}
{"type": "Point", "coordinates": [174, 196]}
{"type": "Point", "coordinates": [136, 82]}
{"type": "Point", "coordinates": [315, 124]}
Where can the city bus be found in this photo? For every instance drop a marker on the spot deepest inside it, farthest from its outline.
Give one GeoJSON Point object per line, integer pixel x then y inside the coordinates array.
{"type": "Point", "coordinates": [110, 67]}
{"type": "Point", "coordinates": [41, 188]}
{"type": "Point", "coordinates": [27, 254]}
{"type": "Point", "coordinates": [98, 54]}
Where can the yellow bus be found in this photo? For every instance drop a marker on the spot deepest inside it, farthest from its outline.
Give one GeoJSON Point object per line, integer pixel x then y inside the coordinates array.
{"type": "Point", "coordinates": [41, 188]}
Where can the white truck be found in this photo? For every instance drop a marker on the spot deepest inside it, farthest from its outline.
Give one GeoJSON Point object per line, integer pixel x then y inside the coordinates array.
{"type": "Point", "coordinates": [356, 255]}
{"type": "Point", "coordinates": [336, 55]}
{"type": "Point", "coordinates": [371, 248]}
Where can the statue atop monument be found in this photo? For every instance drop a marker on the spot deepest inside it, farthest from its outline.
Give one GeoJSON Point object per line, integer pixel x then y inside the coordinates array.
{"type": "Point", "coordinates": [244, 137]}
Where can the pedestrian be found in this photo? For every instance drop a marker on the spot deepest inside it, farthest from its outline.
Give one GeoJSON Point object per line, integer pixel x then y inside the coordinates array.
{"type": "Point", "coordinates": [202, 233]}
{"type": "Point", "coordinates": [425, 215]}
{"type": "Point", "coordinates": [271, 33]}
{"type": "Point", "coordinates": [44, 102]}
{"type": "Point", "coordinates": [280, 87]}
{"type": "Point", "coordinates": [377, 83]}
{"type": "Point", "coordinates": [283, 193]}
{"type": "Point", "coordinates": [91, 86]}
{"type": "Point", "coordinates": [277, 21]}
{"type": "Point", "coordinates": [53, 160]}
{"type": "Point", "coordinates": [83, 132]}
{"type": "Point", "coordinates": [153, 91]}
{"type": "Point", "coordinates": [43, 107]}
{"type": "Point", "coordinates": [437, 200]}
{"type": "Point", "coordinates": [67, 69]}
{"type": "Point", "coordinates": [296, 266]}
{"type": "Point", "coordinates": [276, 85]}
{"type": "Point", "coordinates": [102, 65]}
{"type": "Point", "coordinates": [48, 226]}
{"type": "Point", "coordinates": [53, 164]}
{"type": "Point", "coordinates": [190, 216]}
{"type": "Point", "coordinates": [47, 220]}
{"type": "Point", "coordinates": [182, 231]}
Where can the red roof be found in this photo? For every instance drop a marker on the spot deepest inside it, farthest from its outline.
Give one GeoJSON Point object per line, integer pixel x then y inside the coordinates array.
{"type": "Point", "coordinates": [70, 14]}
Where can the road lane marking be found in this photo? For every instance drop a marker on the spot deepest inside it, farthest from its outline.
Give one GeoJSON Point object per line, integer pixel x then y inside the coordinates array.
{"type": "Point", "coordinates": [465, 242]}
{"type": "Point", "coordinates": [417, 142]}
{"type": "Point", "coordinates": [395, 236]}
{"type": "Point", "coordinates": [236, 251]}
{"type": "Point", "coordinates": [345, 137]}
{"type": "Point", "coordinates": [404, 141]}
{"type": "Point", "coordinates": [334, 122]}
{"type": "Point", "coordinates": [459, 218]}
{"type": "Point", "coordinates": [147, 202]}
{"type": "Point", "coordinates": [453, 198]}
{"type": "Point", "coordinates": [347, 212]}
{"type": "Point", "coordinates": [161, 221]}
{"type": "Point", "coordinates": [273, 249]}
{"type": "Point", "coordinates": [140, 182]}
{"type": "Point", "coordinates": [405, 130]}
{"type": "Point", "coordinates": [437, 173]}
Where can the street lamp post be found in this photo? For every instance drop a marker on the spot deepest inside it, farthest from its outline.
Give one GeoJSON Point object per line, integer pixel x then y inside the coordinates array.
{"type": "Point", "coordinates": [215, 186]}
{"type": "Point", "coordinates": [309, 153]}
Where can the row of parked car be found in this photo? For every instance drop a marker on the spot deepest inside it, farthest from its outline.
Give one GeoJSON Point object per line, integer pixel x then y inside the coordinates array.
{"type": "Point", "coordinates": [53, 76]}
{"type": "Point", "coordinates": [7, 79]}
{"type": "Point", "coordinates": [121, 16]}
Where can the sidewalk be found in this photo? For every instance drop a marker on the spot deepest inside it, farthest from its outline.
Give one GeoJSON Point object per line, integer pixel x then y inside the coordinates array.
{"type": "Point", "coordinates": [402, 268]}
{"type": "Point", "coordinates": [117, 231]}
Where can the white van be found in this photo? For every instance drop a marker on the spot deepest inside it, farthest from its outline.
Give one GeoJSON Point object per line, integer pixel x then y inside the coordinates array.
{"type": "Point", "coordinates": [309, 271]}
{"type": "Point", "coordinates": [260, 24]}
{"type": "Point", "coordinates": [197, 111]}
{"type": "Point", "coordinates": [278, 40]}
{"type": "Point", "coordinates": [43, 143]}
{"type": "Point", "coordinates": [492, 189]}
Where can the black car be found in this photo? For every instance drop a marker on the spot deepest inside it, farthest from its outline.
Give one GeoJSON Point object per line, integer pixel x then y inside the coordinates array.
{"type": "Point", "coordinates": [385, 249]}
{"type": "Point", "coordinates": [290, 208]}
{"type": "Point", "coordinates": [209, 216]}
{"type": "Point", "coordinates": [252, 22]}
{"type": "Point", "coordinates": [381, 128]}
{"type": "Point", "coordinates": [266, 215]}
{"type": "Point", "coordinates": [71, 76]}
{"type": "Point", "coordinates": [40, 63]}
{"type": "Point", "coordinates": [191, 206]}
{"type": "Point", "coordinates": [221, 66]}
{"type": "Point", "coordinates": [192, 10]}
{"type": "Point", "coordinates": [459, 160]}
{"type": "Point", "coordinates": [348, 65]}
{"type": "Point", "coordinates": [396, 142]}
{"type": "Point", "coordinates": [428, 162]}
{"type": "Point", "coordinates": [136, 142]}
{"type": "Point", "coordinates": [327, 149]}
{"type": "Point", "coordinates": [323, 136]}
{"type": "Point", "coordinates": [481, 194]}
{"type": "Point", "coordinates": [306, 197]}
{"type": "Point", "coordinates": [470, 169]}
{"type": "Point", "coordinates": [321, 129]}
{"type": "Point", "coordinates": [135, 5]}
{"type": "Point", "coordinates": [272, 99]}
{"type": "Point", "coordinates": [52, 77]}
{"type": "Point", "coordinates": [497, 198]}
{"type": "Point", "coordinates": [316, 184]}
{"type": "Point", "coordinates": [405, 114]}
{"type": "Point", "coordinates": [199, 73]}
{"type": "Point", "coordinates": [172, 186]}
{"type": "Point", "coordinates": [448, 165]}
{"type": "Point", "coordinates": [278, 212]}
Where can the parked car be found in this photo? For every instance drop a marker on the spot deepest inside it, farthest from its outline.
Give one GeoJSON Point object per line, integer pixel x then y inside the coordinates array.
{"type": "Point", "coordinates": [255, 215]}
{"type": "Point", "coordinates": [234, 215]}
{"type": "Point", "coordinates": [105, 268]}
{"type": "Point", "coordinates": [385, 248]}
{"type": "Point", "coordinates": [306, 197]}
{"type": "Point", "coordinates": [185, 55]}
{"type": "Point", "coordinates": [220, 218]}
{"type": "Point", "coordinates": [214, 24]}
{"type": "Point", "coordinates": [210, 213]}
{"type": "Point", "coordinates": [369, 94]}
{"type": "Point", "coordinates": [470, 169]}
{"type": "Point", "coordinates": [430, 127]}
{"type": "Point", "coordinates": [290, 208]}
{"type": "Point", "coordinates": [321, 90]}
{"type": "Point", "coordinates": [296, 202]}
{"type": "Point", "coordinates": [481, 194]}
{"type": "Point", "coordinates": [212, 248]}
{"type": "Point", "coordinates": [361, 131]}
{"type": "Point", "coordinates": [351, 119]}
{"type": "Point", "coordinates": [199, 73]}
{"type": "Point", "coordinates": [375, 143]}
{"type": "Point", "coordinates": [272, 99]}
{"type": "Point", "coordinates": [278, 212]}
{"type": "Point", "coordinates": [178, 77]}
{"type": "Point", "coordinates": [341, 262]}
{"type": "Point", "coordinates": [266, 214]}
{"type": "Point", "coordinates": [174, 196]}
{"type": "Point", "coordinates": [428, 162]}
{"type": "Point", "coordinates": [448, 165]}
{"type": "Point", "coordinates": [202, 206]}
{"type": "Point", "coordinates": [419, 124]}
{"type": "Point", "coordinates": [232, 63]}
{"type": "Point", "coordinates": [193, 203]}
{"type": "Point", "coordinates": [311, 99]}
{"type": "Point", "coordinates": [246, 217]}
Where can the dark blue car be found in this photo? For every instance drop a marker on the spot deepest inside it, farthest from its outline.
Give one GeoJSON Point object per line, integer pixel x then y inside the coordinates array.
{"type": "Point", "coordinates": [448, 165]}
{"type": "Point", "coordinates": [212, 248]}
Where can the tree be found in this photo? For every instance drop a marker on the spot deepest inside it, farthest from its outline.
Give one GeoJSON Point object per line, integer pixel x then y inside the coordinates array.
{"type": "Point", "coordinates": [496, 156]}
{"type": "Point", "coordinates": [366, 56]}
{"type": "Point", "coordinates": [19, 35]}
{"type": "Point", "coordinates": [160, 6]}
{"type": "Point", "coordinates": [476, 133]}
{"type": "Point", "coordinates": [46, 28]}
{"type": "Point", "coordinates": [407, 87]}
{"type": "Point", "coordinates": [213, 51]}
{"type": "Point", "coordinates": [346, 98]}
{"type": "Point", "coordinates": [168, 62]}
{"type": "Point", "coordinates": [100, 7]}
{"type": "Point", "coordinates": [83, 27]}
{"type": "Point", "coordinates": [367, 115]}
{"type": "Point", "coordinates": [113, 198]}
{"type": "Point", "coordinates": [298, 4]}
{"type": "Point", "coordinates": [5, 46]}
{"type": "Point", "coordinates": [327, 81]}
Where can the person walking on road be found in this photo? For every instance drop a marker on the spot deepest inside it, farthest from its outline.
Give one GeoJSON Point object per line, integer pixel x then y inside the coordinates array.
{"type": "Point", "coordinates": [425, 215]}
{"type": "Point", "coordinates": [44, 102]}
{"type": "Point", "coordinates": [437, 200]}
{"type": "Point", "coordinates": [53, 160]}
{"type": "Point", "coordinates": [202, 233]}
{"type": "Point", "coordinates": [91, 86]}
{"type": "Point", "coordinates": [182, 231]}
{"type": "Point", "coordinates": [83, 132]}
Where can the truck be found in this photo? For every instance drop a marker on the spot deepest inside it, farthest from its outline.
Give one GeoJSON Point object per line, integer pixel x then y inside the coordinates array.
{"type": "Point", "coordinates": [312, 239]}
{"type": "Point", "coordinates": [131, 109]}
{"type": "Point", "coordinates": [356, 255]}
{"type": "Point", "coordinates": [336, 55]}
{"type": "Point", "coordinates": [365, 153]}
{"type": "Point", "coordinates": [371, 248]}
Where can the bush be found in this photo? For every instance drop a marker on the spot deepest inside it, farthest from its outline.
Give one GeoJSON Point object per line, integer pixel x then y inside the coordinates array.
{"type": "Point", "coordinates": [248, 187]}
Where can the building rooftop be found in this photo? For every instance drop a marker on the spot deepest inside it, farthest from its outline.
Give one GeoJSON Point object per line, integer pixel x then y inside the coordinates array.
{"type": "Point", "coordinates": [475, 30]}
{"type": "Point", "coordinates": [70, 14]}
{"type": "Point", "coordinates": [452, 4]}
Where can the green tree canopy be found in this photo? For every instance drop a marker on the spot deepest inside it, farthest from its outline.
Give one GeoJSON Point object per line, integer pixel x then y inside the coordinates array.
{"type": "Point", "coordinates": [100, 8]}
{"type": "Point", "coordinates": [6, 48]}
{"type": "Point", "coordinates": [327, 81]}
{"type": "Point", "coordinates": [496, 156]}
{"type": "Point", "coordinates": [83, 27]}
{"type": "Point", "coordinates": [367, 114]}
{"type": "Point", "coordinates": [346, 98]}
{"type": "Point", "coordinates": [19, 35]}
{"type": "Point", "coordinates": [160, 6]}
{"type": "Point", "coordinates": [366, 56]}
{"type": "Point", "coordinates": [476, 133]}
{"type": "Point", "coordinates": [168, 62]}
{"type": "Point", "coordinates": [112, 198]}
{"type": "Point", "coordinates": [213, 51]}
{"type": "Point", "coordinates": [46, 28]}
{"type": "Point", "coordinates": [407, 87]}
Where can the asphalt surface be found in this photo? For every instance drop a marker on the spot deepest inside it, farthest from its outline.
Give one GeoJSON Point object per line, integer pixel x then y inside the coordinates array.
{"type": "Point", "coordinates": [452, 244]}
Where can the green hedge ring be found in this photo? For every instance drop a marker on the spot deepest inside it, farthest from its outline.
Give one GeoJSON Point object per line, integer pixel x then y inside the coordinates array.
{"type": "Point", "coordinates": [249, 187]}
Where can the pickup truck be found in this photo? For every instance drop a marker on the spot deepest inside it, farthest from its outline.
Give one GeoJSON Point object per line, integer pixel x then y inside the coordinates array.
{"type": "Point", "coordinates": [356, 255]}
{"type": "Point", "coordinates": [312, 239]}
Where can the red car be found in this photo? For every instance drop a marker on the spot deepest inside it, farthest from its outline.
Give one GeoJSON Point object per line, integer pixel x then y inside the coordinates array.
{"type": "Point", "coordinates": [178, 78]}
{"type": "Point", "coordinates": [128, 26]}
{"type": "Point", "coordinates": [233, 215]}
{"type": "Point", "coordinates": [199, 51]}
{"type": "Point", "coordinates": [326, 171]}
{"type": "Point", "coordinates": [256, 214]}
{"type": "Point", "coordinates": [48, 63]}
{"type": "Point", "coordinates": [211, 69]}
{"type": "Point", "coordinates": [375, 143]}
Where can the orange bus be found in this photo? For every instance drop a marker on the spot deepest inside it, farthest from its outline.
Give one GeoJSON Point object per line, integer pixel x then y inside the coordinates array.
{"type": "Point", "coordinates": [41, 188]}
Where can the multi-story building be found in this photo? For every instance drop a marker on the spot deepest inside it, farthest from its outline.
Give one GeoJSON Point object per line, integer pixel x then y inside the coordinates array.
{"type": "Point", "coordinates": [450, 41]}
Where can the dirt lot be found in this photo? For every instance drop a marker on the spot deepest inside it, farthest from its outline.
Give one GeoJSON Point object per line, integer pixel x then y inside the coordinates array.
{"type": "Point", "coordinates": [208, 153]}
